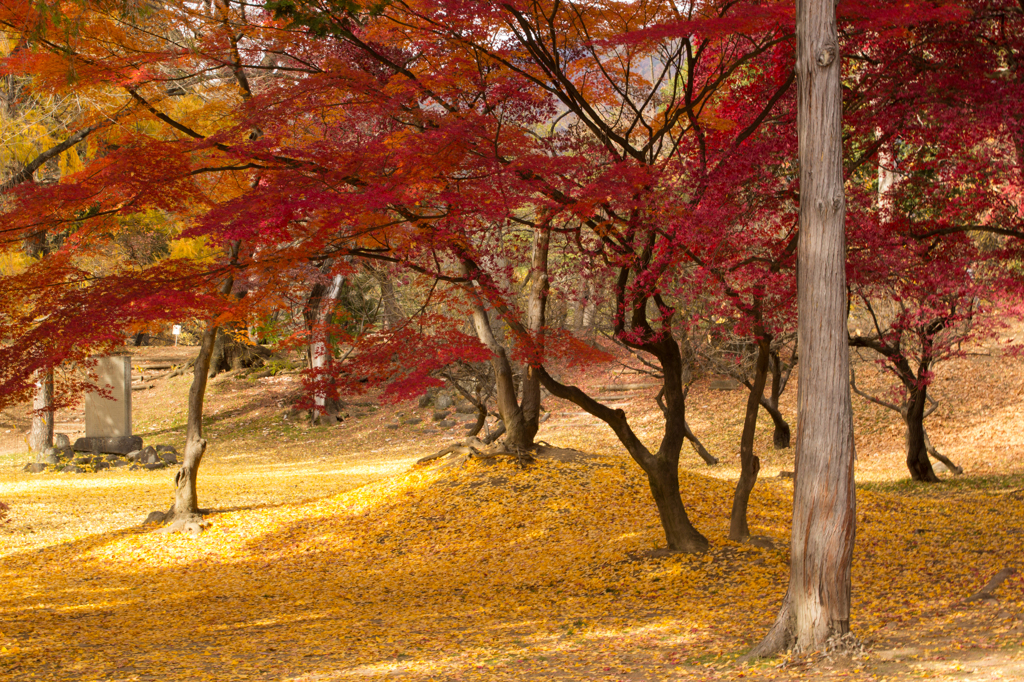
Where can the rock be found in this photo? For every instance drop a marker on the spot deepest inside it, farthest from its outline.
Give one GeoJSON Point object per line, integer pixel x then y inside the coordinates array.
{"type": "Point", "coordinates": [72, 469]}
{"type": "Point", "coordinates": [465, 408]}
{"type": "Point", "coordinates": [168, 457]}
{"type": "Point", "coordinates": [939, 468]}
{"type": "Point", "coordinates": [439, 415]}
{"type": "Point", "coordinates": [35, 467]}
{"type": "Point", "coordinates": [133, 456]}
{"type": "Point", "coordinates": [148, 455]}
{"type": "Point", "coordinates": [264, 374]}
{"type": "Point", "coordinates": [66, 453]}
{"type": "Point", "coordinates": [412, 421]}
{"type": "Point", "coordinates": [83, 459]}
{"type": "Point", "coordinates": [391, 427]}
{"type": "Point", "coordinates": [443, 401]}
{"type": "Point", "coordinates": [155, 465]}
{"type": "Point", "coordinates": [119, 463]}
{"type": "Point", "coordinates": [120, 445]}
{"type": "Point", "coordinates": [61, 441]}
{"type": "Point", "coordinates": [724, 383]}
{"type": "Point", "coordinates": [166, 448]}
{"type": "Point", "coordinates": [425, 400]}
{"type": "Point", "coordinates": [446, 424]}
{"type": "Point", "coordinates": [49, 456]}
{"type": "Point", "coordinates": [100, 465]}
{"type": "Point", "coordinates": [785, 474]}
{"type": "Point", "coordinates": [155, 517]}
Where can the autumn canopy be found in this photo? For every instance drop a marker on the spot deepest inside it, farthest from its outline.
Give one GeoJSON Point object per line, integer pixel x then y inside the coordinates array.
{"type": "Point", "coordinates": [496, 198]}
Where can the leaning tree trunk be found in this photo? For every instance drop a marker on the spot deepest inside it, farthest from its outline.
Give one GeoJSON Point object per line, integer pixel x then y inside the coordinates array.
{"type": "Point", "coordinates": [750, 464]}
{"type": "Point", "coordinates": [917, 447]}
{"type": "Point", "coordinates": [662, 468]}
{"type": "Point", "coordinates": [519, 432]}
{"type": "Point", "coordinates": [697, 446]}
{"type": "Point", "coordinates": [41, 435]}
{"type": "Point", "coordinates": [184, 514]}
{"type": "Point", "coordinates": [817, 603]}
{"type": "Point", "coordinates": [520, 420]}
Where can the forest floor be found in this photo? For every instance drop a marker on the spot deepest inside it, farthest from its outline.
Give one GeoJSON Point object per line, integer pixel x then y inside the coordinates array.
{"type": "Point", "coordinates": [331, 557]}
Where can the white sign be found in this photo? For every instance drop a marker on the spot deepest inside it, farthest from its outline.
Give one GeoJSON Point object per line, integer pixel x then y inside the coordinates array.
{"type": "Point", "coordinates": [176, 330]}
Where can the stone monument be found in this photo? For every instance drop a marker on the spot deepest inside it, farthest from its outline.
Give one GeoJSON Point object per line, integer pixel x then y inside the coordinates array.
{"type": "Point", "coordinates": [108, 420]}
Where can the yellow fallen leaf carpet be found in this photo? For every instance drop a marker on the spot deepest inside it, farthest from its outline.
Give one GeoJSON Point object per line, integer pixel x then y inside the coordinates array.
{"type": "Point", "coordinates": [485, 572]}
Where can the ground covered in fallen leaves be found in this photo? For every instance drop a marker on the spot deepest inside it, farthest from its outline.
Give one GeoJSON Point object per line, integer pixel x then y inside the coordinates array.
{"type": "Point", "coordinates": [330, 557]}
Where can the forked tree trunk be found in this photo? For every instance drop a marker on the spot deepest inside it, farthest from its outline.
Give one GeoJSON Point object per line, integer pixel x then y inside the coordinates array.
{"type": "Point", "coordinates": [41, 435]}
{"type": "Point", "coordinates": [817, 603]}
{"type": "Point", "coordinates": [750, 464]}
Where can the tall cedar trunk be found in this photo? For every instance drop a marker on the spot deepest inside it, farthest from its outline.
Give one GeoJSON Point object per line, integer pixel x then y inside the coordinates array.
{"type": "Point", "coordinates": [917, 449]}
{"type": "Point", "coordinates": [41, 435]}
{"type": "Point", "coordinates": [320, 353]}
{"type": "Point", "coordinates": [184, 514]}
{"type": "Point", "coordinates": [750, 464]}
{"type": "Point", "coordinates": [817, 603]}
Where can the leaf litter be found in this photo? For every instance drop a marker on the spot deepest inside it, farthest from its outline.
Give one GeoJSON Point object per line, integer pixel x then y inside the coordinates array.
{"type": "Point", "coordinates": [485, 571]}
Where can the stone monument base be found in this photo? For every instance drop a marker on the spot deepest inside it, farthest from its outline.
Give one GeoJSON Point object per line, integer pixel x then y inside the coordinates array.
{"type": "Point", "coordinates": [120, 445]}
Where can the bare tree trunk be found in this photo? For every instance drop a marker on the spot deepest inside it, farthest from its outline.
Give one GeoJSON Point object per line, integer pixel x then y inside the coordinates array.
{"type": "Point", "coordinates": [781, 435]}
{"type": "Point", "coordinates": [917, 450]}
{"type": "Point", "coordinates": [750, 464]}
{"type": "Point", "coordinates": [817, 603]}
{"type": "Point", "coordinates": [536, 307]}
{"type": "Point", "coordinates": [41, 435]}
{"type": "Point", "coordinates": [184, 514]}
{"type": "Point", "coordinates": [519, 434]}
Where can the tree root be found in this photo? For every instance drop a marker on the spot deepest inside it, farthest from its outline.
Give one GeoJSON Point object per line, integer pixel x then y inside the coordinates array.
{"type": "Point", "coordinates": [476, 448]}
{"type": "Point", "coordinates": [168, 522]}
{"type": "Point", "coordinates": [991, 585]}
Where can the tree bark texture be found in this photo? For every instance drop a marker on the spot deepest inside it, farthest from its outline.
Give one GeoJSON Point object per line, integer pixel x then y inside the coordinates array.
{"type": "Point", "coordinates": [320, 353]}
{"type": "Point", "coordinates": [519, 432]}
{"type": "Point", "coordinates": [917, 447]}
{"type": "Point", "coordinates": [781, 435]}
{"type": "Point", "coordinates": [750, 464]}
{"type": "Point", "coordinates": [817, 603]}
{"type": "Point", "coordinates": [536, 307]}
{"type": "Point", "coordinates": [41, 435]}
{"type": "Point", "coordinates": [184, 513]}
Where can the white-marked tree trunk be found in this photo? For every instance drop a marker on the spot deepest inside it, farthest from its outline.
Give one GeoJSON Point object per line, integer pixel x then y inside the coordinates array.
{"type": "Point", "coordinates": [41, 435]}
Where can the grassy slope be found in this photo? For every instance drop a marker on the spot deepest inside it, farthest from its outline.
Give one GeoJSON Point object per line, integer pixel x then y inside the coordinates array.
{"type": "Point", "coordinates": [324, 561]}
